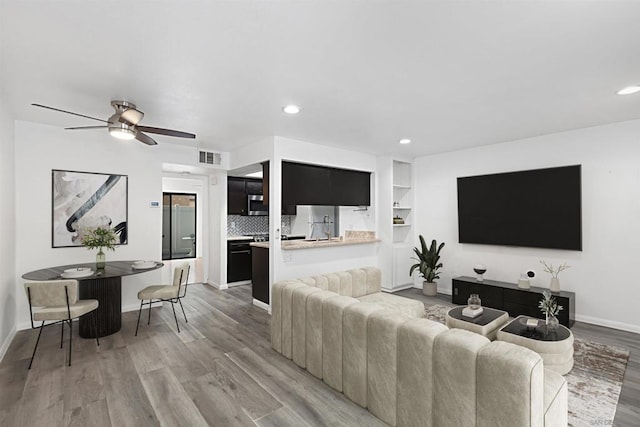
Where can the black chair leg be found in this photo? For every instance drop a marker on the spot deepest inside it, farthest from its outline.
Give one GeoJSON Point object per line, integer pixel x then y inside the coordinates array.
{"type": "Point", "coordinates": [139, 313]}
{"type": "Point", "coordinates": [174, 315]}
{"type": "Point", "coordinates": [36, 347]}
{"type": "Point", "coordinates": [61, 334]}
{"type": "Point", "coordinates": [185, 316]}
{"type": "Point", "coordinates": [95, 325]}
{"type": "Point", "coordinates": [70, 338]}
{"type": "Point", "coordinates": [149, 320]}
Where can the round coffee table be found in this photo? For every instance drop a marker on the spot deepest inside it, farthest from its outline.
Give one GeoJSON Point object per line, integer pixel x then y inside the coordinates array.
{"type": "Point", "coordinates": [486, 324]}
{"type": "Point", "coordinates": [554, 346]}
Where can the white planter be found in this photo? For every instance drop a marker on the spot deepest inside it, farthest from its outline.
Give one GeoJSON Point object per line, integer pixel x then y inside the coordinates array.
{"type": "Point", "coordinates": [429, 289]}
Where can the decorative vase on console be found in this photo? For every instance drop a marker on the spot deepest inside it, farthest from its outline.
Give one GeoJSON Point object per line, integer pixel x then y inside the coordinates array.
{"type": "Point", "coordinates": [98, 238]}
{"type": "Point", "coordinates": [479, 269]}
{"type": "Point", "coordinates": [555, 282]}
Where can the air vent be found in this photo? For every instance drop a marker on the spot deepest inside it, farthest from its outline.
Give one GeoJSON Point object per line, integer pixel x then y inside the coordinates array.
{"type": "Point", "coordinates": [209, 158]}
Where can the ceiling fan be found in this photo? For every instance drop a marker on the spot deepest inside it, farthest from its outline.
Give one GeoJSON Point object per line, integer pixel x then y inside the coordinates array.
{"type": "Point", "coordinates": [124, 123]}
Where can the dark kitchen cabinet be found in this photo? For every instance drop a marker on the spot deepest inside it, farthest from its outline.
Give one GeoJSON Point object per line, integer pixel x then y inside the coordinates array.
{"type": "Point", "coordinates": [305, 184]}
{"type": "Point", "coordinates": [238, 260]}
{"type": "Point", "coordinates": [236, 196]}
{"type": "Point", "coordinates": [318, 185]}
{"type": "Point", "coordinates": [260, 273]}
{"type": "Point", "coordinates": [350, 188]}
{"type": "Point", "coordinates": [253, 186]}
{"type": "Point", "coordinates": [290, 209]}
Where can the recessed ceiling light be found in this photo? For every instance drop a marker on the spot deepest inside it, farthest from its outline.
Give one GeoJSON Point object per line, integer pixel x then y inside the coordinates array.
{"type": "Point", "coordinates": [291, 109]}
{"type": "Point", "coordinates": [405, 141]}
{"type": "Point", "coordinates": [629, 90]}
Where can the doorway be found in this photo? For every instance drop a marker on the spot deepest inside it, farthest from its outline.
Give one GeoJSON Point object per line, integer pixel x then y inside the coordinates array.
{"type": "Point", "coordinates": [179, 225]}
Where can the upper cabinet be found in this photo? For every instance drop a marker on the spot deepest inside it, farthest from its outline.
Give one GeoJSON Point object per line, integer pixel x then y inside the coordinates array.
{"type": "Point", "coordinates": [236, 196]}
{"type": "Point", "coordinates": [237, 191]}
{"type": "Point", "coordinates": [304, 184]}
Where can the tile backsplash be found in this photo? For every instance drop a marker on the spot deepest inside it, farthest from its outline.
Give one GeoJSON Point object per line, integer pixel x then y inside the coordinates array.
{"type": "Point", "coordinates": [238, 225]}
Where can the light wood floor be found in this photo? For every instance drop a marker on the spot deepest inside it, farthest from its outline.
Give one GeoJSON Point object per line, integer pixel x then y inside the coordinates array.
{"type": "Point", "coordinates": [219, 371]}
{"type": "Point", "coordinates": [628, 411]}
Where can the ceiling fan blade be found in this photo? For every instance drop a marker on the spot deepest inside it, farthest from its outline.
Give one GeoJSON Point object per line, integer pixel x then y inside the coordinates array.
{"type": "Point", "coordinates": [131, 116]}
{"type": "Point", "coordinates": [69, 112]}
{"type": "Point", "coordinates": [86, 127]}
{"type": "Point", "coordinates": [145, 138]}
{"type": "Point", "coordinates": [168, 132]}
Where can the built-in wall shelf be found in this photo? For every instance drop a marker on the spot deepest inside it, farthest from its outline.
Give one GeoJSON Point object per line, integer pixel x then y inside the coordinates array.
{"type": "Point", "coordinates": [402, 208]}
{"type": "Point", "coordinates": [400, 186]}
{"type": "Point", "coordinates": [402, 225]}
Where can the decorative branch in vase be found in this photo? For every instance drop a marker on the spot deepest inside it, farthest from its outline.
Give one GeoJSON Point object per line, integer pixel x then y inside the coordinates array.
{"type": "Point", "coordinates": [98, 238]}
{"type": "Point", "coordinates": [553, 271]}
{"type": "Point", "coordinates": [549, 306]}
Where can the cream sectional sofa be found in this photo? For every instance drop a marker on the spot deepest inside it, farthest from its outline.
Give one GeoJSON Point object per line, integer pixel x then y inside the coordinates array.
{"type": "Point", "coordinates": [406, 370]}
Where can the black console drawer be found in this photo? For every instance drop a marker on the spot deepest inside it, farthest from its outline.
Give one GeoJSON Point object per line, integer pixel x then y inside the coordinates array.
{"type": "Point", "coordinates": [489, 296]}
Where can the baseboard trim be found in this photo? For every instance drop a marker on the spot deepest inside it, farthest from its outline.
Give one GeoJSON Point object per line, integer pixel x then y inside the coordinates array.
{"type": "Point", "coordinates": [262, 305]}
{"type": "Point", "coordinates": [218, 286]}
{"type": "Point", "coordinates": [241, 283]}
{"type": "Point", "coordinates": [401, 288]}
{"type": "Point", "coordinates": [608, 323]}
{"type": "Point", "coordinates": [7, 342]}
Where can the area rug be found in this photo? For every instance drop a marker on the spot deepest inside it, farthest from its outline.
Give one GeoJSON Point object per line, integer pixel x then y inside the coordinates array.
{"type": "Point", "coordinates": [594, 383]}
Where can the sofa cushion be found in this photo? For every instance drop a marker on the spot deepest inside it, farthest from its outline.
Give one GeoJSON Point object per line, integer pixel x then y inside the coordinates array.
{"type": "Point", "coordinates": [556, 410]}
{"type": "Point", "coordinates": [415, 371]}
{"type": "Point", "coordinates": [358, 282]}
{"type": "Point", "coordinates": [374, 279]}
{"type": "Point", "coordinates": [313, 348]}
{"type": "Point", "coordinates": [354, 351]}
{"type": "Point", "coordinates": [396, 303]}
{"type": "Point", "coordinates": [299, 324]}
{"type": "Point", "coordinates": [287, 317]}
{"type": "Point", "coordinates": [332, 313]}
{"type": "Point", "coordinates": [276, 313]}
{"type": "Point", "coordinates": [382, 363]}
{"type": "Point", "coordinates": [454, 372]}
{"type": "Point", "coordinates": [509, 386]}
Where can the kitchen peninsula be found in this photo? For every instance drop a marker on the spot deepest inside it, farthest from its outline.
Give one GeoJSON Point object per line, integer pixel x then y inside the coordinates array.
{"type": "Point", "coordinates": [260, 257]}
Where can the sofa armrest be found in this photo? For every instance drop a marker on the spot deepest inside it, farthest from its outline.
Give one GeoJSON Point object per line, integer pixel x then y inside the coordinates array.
{"type": "Point", "coordinates": [556, 409]}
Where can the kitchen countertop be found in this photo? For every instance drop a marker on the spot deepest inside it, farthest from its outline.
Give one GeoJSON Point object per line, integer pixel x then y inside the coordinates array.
{"type": "Point", "coordinates": [260, 244]}
{"type": "Point", "coordinates": [288, 245]}
{"type": "Point", "coordinates": [240, 238]}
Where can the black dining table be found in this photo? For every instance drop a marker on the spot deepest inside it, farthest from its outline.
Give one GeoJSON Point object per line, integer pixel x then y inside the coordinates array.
{"type": "Point", "coordinates": [104, 285]}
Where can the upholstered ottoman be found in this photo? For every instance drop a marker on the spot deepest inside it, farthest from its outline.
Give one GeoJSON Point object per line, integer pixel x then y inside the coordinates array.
{"type": "Point", "coordinates": [487, 324]}
{"type": "Point", "coordinates": [555, 348]}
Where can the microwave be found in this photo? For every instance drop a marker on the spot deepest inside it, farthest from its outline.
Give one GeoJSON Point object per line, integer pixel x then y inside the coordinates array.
{"type": "Point", "coordinates": [255, 205]}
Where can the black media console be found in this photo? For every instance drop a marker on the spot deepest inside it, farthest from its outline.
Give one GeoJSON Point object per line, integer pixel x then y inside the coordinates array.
{"type": "Point", "coordinates": [512, 299]}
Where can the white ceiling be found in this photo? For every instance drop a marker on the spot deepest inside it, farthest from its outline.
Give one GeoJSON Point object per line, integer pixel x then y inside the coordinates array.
{"type": "Point", "coordinates": [447, 74]}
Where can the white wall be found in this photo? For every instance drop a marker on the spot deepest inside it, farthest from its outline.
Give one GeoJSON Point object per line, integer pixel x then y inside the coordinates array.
{"type": "Point", "coordinates": [41, 148]}
{"type": "Point", "coordinates": [603, 275]}
{"type": "Point", "coordinates": [7, 231]}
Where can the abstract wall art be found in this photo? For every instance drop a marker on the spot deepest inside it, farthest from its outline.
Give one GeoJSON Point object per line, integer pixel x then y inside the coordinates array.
{"type": "Point", "coordinates": [82, 200]}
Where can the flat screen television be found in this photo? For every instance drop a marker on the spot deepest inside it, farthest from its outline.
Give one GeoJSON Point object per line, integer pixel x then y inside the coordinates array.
{"type": "Point", "coordinates": [538, 208]}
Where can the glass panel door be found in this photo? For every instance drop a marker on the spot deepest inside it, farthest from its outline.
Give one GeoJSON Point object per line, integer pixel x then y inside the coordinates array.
{"type": "Point", "coordinates": [178, 225]}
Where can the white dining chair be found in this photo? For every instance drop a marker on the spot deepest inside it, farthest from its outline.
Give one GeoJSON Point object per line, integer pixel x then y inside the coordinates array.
{"type": "Point", "coordinates": [169, 293]}
{"type": "Point", "coordinates": [57, 302]}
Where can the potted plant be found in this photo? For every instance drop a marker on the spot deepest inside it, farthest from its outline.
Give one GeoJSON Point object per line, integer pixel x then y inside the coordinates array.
{"type": "Point", "coordinates": [428, 265]}
{"type": "Point", "coordinates": [98, 238]}
{"type": "Point", "coordinates": [549, 306]}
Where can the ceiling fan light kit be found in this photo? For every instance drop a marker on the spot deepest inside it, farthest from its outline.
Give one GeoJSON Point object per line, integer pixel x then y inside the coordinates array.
{"type": "Point", "coordinates": [123, 124]}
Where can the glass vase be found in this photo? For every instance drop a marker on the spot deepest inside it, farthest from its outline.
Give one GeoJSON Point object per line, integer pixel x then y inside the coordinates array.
{"type": "Point", "coordinates": [552, 322]}
{"type": "Point", "coordinates": [101, 260]}
{"type": "Point", "coordinates": [474, 301]}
